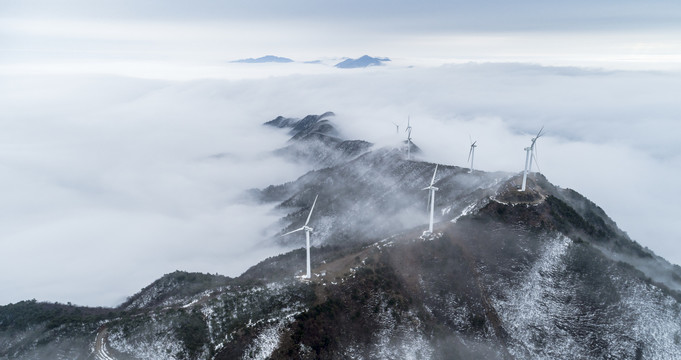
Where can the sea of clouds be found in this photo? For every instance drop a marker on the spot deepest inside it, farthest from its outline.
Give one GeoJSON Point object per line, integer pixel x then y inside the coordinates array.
{"type": "Point", "coordinates": [111, 181]}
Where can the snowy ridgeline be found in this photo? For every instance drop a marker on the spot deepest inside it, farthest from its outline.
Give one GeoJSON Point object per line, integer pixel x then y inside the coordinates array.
{"type": "Point", "coordinates": [564, 298]}
{"type": "Point", "coordinates": [542, 274]}
{"type": "Point", "coordinates": [215, 316]}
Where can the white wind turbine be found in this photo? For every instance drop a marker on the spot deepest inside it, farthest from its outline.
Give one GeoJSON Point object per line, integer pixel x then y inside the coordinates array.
{"type": "Point", "coordinates": [308, 230]}
{"type": "Point", "coordinates": [397, 128]}
{"type": "Point", "coordinates": [408, 131]}
{"type": "Point", "coordinates": [471, 153]}
{"type": "Point", "coordinates": [431, 200]}
{"type": "Point", "coordinates": [530, 156]}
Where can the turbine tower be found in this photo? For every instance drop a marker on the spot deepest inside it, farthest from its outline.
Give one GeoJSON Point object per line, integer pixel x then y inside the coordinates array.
{"type": "Point", "coordinates": [471, 153]}
{"type": "Point", "coordinates": [431, 200]}
{"type": "Point", "coordinates": [408, 131]}
{"type": "Point", "coordinates": [530, 156]}
{"type": "Point", "coordinates": [308, 230]}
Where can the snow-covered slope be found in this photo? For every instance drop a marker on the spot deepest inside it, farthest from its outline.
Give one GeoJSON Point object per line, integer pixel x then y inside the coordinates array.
{"type": "Point", "coordinates": [541, 274]}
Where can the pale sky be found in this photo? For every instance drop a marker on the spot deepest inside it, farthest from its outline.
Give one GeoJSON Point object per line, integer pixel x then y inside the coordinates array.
{"type": "Point", "coordinates": [115, 36]}
{"type": "Point", "coordinates": [112, 110]}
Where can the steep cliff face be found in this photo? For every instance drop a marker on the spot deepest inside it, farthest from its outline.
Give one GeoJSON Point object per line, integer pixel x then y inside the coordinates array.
{"type": "Point", "coordinates": [540, 274]}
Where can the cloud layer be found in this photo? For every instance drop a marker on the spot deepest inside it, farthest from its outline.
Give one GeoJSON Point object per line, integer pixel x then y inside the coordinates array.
{"type": "Point", "coordinates": [112, 113]}
{"type": "Point", "coordinates": [110, 182]}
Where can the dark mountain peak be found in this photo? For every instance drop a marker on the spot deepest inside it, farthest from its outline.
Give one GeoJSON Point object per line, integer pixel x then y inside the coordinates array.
{"type": "Point", "coordinates": [546, 206]}
{"type": "Point", "coordinates": [173, 288]}
{"type": "Point", "coordinates": [361, 62]}
{"type": "Point", "coordinates": [316, 140]}
{"type": "Point", "coordinates": [535, 192]}
{"type": "Point", "coordinates": [306, 125]}
{"type": "Point", "coordinates": [318, 130]}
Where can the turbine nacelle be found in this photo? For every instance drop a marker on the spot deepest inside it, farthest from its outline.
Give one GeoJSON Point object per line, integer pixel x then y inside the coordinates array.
{"type": "Point", "coordinates": [539, 134]}
{"type": "Point", "coordinates": [304, 228]}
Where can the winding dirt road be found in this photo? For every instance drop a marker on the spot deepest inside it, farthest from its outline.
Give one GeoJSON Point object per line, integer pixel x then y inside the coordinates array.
{"type": "Point", "coordinates": [100, 345]}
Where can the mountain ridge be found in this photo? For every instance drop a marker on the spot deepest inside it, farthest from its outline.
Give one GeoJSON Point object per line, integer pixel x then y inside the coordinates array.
{"type": "Point", "coordinates": [505, 274]}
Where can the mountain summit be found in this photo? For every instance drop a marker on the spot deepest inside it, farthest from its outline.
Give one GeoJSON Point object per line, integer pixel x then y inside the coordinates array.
{"type": "Point", "coordinates": [505, 274]}
{"type": "Point", "coordinates": [315, 140]}
{"type": "Point", "coordinates": [361, 62]}
{"type": "Point", "coordinates": [265, 59]}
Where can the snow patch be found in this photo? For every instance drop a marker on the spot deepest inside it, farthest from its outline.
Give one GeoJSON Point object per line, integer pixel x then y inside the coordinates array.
{"type": "Point", "coordinates": [265, 343]}
{"type": "Point", "coordinates": [529, 314]}
{"type": "Point", "coordinates": [398, 339]}
{"type": "Point", "coordinates": [467, 210]}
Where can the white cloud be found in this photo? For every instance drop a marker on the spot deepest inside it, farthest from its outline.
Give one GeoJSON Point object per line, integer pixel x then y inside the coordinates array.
{"type": "Point", "coordinates": [123, 190]}
{"type": "Point", "coordinates": [111, 184]}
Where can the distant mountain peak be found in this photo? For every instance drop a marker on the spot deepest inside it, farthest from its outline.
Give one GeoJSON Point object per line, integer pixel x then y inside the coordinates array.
{"type": "Point", "coordinates": [265, 59]}
{"type": "Point", "coordinates": [361, 62]}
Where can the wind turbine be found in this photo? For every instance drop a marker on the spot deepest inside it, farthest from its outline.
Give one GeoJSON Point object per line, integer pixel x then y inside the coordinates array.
{"type": "Point", "coordinates": [408, 131]}
{"type": "Point", "coordinates": [397, 128]}
{"type": "Point", "coordinates": [530, 156]}
{"type": "Point", "coordinates": [471, 154]}
{"type": "Point", "coordinates": [308, 230]}
{"type": "Point", "coordinates": [431, 200]}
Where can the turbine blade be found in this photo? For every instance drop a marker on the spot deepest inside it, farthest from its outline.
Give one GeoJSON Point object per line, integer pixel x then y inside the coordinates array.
{"type": "Point", "coordinates": [291, 232]}
{"type": "Point", "coordinates": [536, 158]}
{"type": "Point", "coordinates": [312, 208]}
{"type": "Point", "coordinates": [469, 154]}
{"type": "Point", "coordinates": [428, 205]}
{"type": "Point", "coordinates": [434, 172]}
{"type": "Point", "coordinates": [540, 132]}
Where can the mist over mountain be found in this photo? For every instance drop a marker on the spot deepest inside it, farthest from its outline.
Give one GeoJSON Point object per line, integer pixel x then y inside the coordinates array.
{"type": "Point", "coordinates": [505, 274]}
